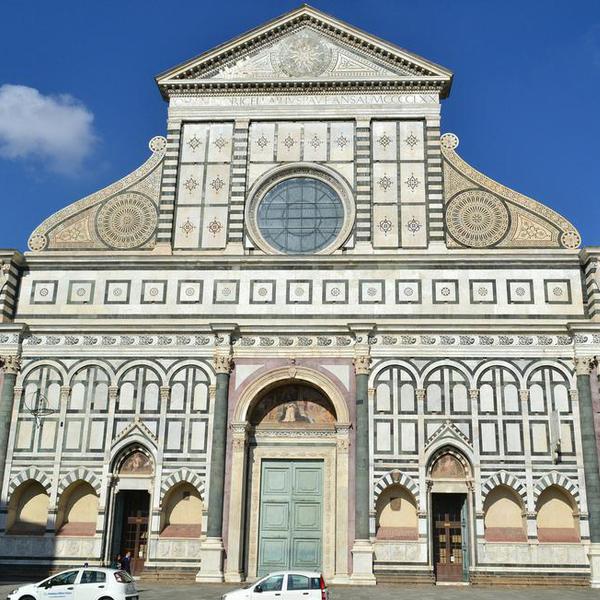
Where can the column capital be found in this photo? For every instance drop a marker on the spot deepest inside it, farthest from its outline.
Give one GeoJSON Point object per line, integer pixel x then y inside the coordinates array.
{"type": "Point", "coordinates": [574, 394]}
{"type": "Point", "coordinates": [223, 363]}
{"type": "Point", "coordinates": [584, 364]}
{"type": "Point", "coordinates": [474, 394]}
{"type": "Point", "coordinates": [524, 395]}
{"type": "Point", "coordinates": [165, 393]}
{"type": "Point", "coordinates": [113, 392]}
{"type": "Point", "coordinates": [362, 364]}
{"type": "Point", "coordinates": [11, 364]}
{"type": "Point", "coordinates": [421, 393]}
{"type": "Point", "coordinates": [65, 393]}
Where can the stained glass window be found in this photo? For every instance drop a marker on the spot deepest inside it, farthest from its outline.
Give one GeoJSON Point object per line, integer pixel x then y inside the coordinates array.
{"type": "Point", "coordinates": [300, 215]}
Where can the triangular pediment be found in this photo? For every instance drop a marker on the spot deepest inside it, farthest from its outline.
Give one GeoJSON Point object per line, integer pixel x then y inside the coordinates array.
{"type": "Point", "coordinates": [303, 46]}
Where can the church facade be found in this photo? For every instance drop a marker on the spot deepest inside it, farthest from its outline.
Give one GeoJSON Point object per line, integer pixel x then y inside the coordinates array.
{"type": "Point", "coordinates": [304, 333]}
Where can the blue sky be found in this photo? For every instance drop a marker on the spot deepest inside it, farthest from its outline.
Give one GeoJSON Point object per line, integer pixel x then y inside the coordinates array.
{"type": "Point", "coordinates": [80, 75]}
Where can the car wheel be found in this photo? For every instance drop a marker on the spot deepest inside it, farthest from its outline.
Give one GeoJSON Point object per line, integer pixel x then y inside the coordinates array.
{"type": "Point", "coordinates": [26, 598]}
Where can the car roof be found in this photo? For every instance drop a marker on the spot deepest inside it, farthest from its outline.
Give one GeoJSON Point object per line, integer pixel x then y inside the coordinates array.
{"type": "Point", "coordinates": [296, 572]}
{"type": "Point", "coordinates": [105, 569]}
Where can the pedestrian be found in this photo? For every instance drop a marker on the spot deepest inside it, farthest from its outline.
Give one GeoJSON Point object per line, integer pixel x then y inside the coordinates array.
{"type": "Point", "coordinates": [126, 562]}
{"type": "Point", "coordinates": [116, 563]}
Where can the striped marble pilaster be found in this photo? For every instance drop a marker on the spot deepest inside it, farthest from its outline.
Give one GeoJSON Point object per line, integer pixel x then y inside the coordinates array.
{"type": "Point", "coordinates": [238, 182]}
{"type": "Point", "coordinates": [363, 180]}
{"type": "Point", "coordinates": [168, 186]}
{"type": "Point", "coordinates": [435, 191]}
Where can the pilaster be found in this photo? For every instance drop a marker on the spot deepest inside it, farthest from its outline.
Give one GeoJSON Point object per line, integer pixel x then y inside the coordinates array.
{"type": "Point", "coordinates": [11, 365]}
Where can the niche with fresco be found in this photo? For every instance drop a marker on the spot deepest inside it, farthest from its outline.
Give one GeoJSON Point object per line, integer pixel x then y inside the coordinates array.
{"type": "Point", "coordinates": [293, 406]}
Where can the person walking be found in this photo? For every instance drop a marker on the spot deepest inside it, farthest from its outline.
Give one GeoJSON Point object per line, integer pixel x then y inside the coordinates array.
{"type": "Point", "coordinates": [116, 563]}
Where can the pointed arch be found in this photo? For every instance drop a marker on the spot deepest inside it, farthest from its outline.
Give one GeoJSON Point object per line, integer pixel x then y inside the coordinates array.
{"type": "Point", "coordinates": [32, 473]}
{"type": "Point", "coordinates": [80, 474]}
{"type": "Point", "coordinates": [504, 478]}
{"type": "Point", "coordinates": [182, 474]}
{"type": "Point", "coordinates": [558, 479]}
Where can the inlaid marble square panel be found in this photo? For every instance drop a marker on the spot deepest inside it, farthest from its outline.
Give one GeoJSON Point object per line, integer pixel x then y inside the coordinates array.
{"type": "Point", "coordinates": [220, 142]}
{"type": "Point", "coordinates": [191, 182]}
{"type": "Point", "coordinates": [262, 142]}
{"type": "Point", "coordinates": [214, 227]}
{"type": "Point", "coordinates": [385, 183]}
{"type": "Point", "coordinates": [289, 141]}
{"type": "Point", "coordinates": [413, 226]}
{"type": "Point", "coordinates": [315, 141]}
{"type": "Point", "coordinates": [81, 292]}
{"type": "Point", "coordinates": [341, 141]}
{"type": "Point", "coordinates": [154, 292]}
{"type": "Point", "coordinates": [262, 291]}
{"type": "Point", "coordinates": [384, 140]}
{"type": "Point", "coordinates": [299, 291]}
{"type": "Point", "coordinates": [482, 291]}
{"type": "Point", "coordinates": [335, 292]}
{"type": "Point", "coordinates": [217, 184]}
{"type": "Point", "coordinates": [187, 227]}
{"type": "Point", "coordinates": [371, 291]}
{"type": "Point", "coordinates": [520, 291]}
{"type": "Point", "coordinates": [385, 226]}
{"type": "Point", "coordinates": [189, 292]}
{"type": "Point", "coordinates": [557, 291]}
{"type": "Point", "coordinates": [445, 291]}
{"type": "Point", "coordinates": [408, 291]}
{"type": "Point", "coordinates": [44, 292]}
{"type": "Point", "coordinates": [412, 146]}
{"type": "Point", "coordinates": [412, 182]}
{"type": "Point", "coordinates": [226, 291]}
{"type": "Point", "coordinates": [193, 143]}
{"type": "Point", "coordinates": [117, 292]}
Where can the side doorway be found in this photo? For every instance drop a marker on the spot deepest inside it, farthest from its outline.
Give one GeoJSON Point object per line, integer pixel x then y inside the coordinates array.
{"type": "Point", "coordinates": [450, 537]}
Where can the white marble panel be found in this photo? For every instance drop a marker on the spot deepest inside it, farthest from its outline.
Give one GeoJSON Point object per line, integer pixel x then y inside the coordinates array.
{"type": "Point", "coordinates": [214, 232]}
{"type": "Point", "coordinates": [198, 435]}
{"type": "Point", "coordinates": [383, 436]}
{"type": "Point", "coordinates": [217, 184]}
{"type": "Point", "coordinates": [413, 226]}
{"type": "Point", "coordinates": [73, 435]}
{"type": "Point", "coordinates": [24, 435]}
{"type": "Point", "coordinates": [193, 142]}
{"type": "Point", "coordinates": [191, 180]}
{"type": "Point", "coordinates": [341, 141]}
{"type": "Point", "coordinates": [412, 182]}
{"type": "Point", "coordinates": [346, 170]}
{"type": "Point", "coordinates": [539, 437]}
{"type": "Point", "coordinates": [513, 437]}
{"type": "Point", "coordinates": [97, 435]}
{"type": "Point", "coordinates": [566, 437]}
{"type": "Point", "coordinates": [385, 226]}
{"type": "Point", "coordinates": [384, 141]}
{"type": "Point", "coordinates": [383, 398]}
{"type": "Point", "coordinates": [385, 183]}
{"type": "Point", "coordinates": [315, 141]}
{"type": "Point", "coordinates": [174, 431]}
{"type": "Point", "coordinates": [220, 142]}
{"type": "Point", "coordinates": [48, 435]}
{"type": "Point", "coordinates": [289, 141]}
{"type": "Point", "coordinates": [262, 142]}
{"type": "Point", "coordinates": [408, 437]}
{"type": "Point", "coordinates": [488, 437]}
{"type": "Point", "coordinates": [412, 145]}
{"type": "Point", "coordinates": [187, 227]}
{"type": "Point", "coordinates": [255, 171]}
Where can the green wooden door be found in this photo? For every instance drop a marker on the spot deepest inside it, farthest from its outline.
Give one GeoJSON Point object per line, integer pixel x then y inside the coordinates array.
{"type": "Point", "coordinates": [291, 510]}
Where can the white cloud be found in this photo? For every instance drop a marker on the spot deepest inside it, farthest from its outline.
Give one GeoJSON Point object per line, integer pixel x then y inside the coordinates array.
{"type": "Point", "coordinates": [55, 130]}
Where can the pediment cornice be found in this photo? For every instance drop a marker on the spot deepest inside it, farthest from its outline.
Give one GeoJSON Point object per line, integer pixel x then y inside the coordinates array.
{"type": "Point", "coordinates": [360, 60]}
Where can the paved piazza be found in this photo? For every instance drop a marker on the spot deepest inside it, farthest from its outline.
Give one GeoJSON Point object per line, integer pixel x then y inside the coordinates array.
{"type": "Point", "coordinates": [384, 592]}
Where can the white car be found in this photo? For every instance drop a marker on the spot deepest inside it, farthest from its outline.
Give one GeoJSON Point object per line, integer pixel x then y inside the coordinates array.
{"type": "Point", "coordinates": [285, 585]}
{"type": "Point", "coordinates": [88, 583]}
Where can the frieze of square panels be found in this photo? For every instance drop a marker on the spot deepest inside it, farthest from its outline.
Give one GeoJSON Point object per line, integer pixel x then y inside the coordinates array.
{"type": "Point", "coordinates": [203, 186]}
{"type": "Point", "coordinates": [399, 184]}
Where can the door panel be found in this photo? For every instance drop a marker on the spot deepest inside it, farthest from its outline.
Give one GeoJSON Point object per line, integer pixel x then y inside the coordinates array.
{"type": "Point", "coordinates": [448, 541]}
{"type": "Point", "coordinates": [291, 507]}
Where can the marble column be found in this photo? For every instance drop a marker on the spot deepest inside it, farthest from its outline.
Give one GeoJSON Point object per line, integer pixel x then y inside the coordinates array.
{"type": "Point", "coordinates": [11, 366]}
{"type": "Point", "coordinates": [583, 366]}
{"type": "Point", "coordinates": [362, 551]}
{"type": "Point", "coordinates": [212, 552]}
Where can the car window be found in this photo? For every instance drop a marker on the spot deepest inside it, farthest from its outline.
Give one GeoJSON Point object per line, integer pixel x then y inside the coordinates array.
{"type": "Point", "coordinates": [315, 583]}
{"type": "Point", "coordinates": [93, 577]}
{"type": "Point", "coordinates": [297, 582]}
{"type": "Point", "coordinates": [272, 584]}
{"type": "Point", "coordinates": [123, 577]}
{"type": "Point", "coordinates": [66, 578]}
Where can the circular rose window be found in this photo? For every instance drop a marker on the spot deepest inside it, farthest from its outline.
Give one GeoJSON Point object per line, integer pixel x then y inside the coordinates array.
{"type": "Point", "coordinates": [300, 215]}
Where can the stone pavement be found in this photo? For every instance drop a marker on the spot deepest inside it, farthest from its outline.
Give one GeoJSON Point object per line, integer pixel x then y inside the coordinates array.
{"type": "Point", "coordinates": [154, 591]}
